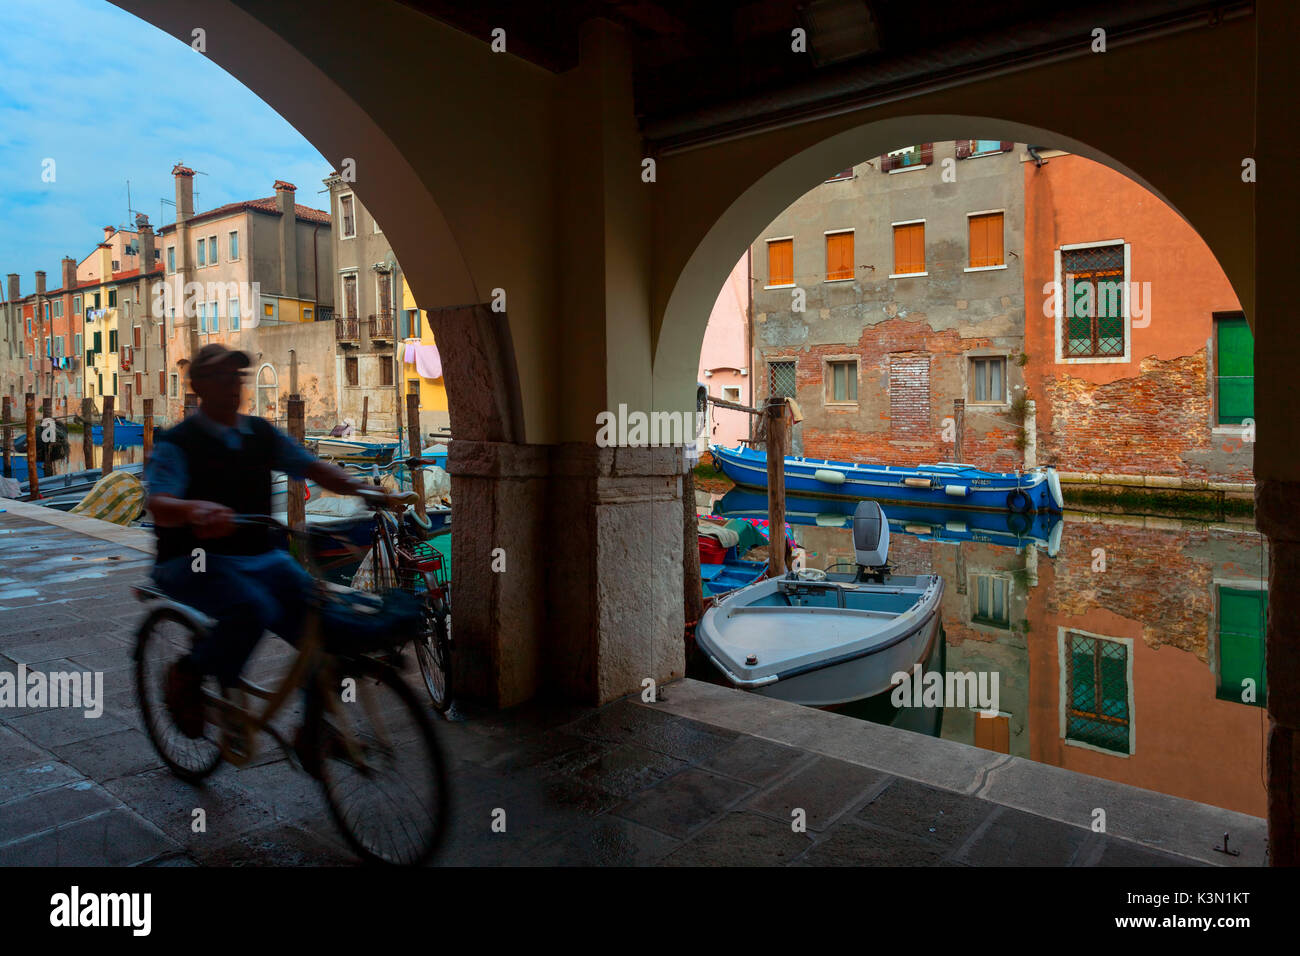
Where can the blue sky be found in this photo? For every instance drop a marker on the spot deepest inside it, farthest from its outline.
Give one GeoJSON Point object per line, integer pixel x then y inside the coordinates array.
{"type": "Point", "coordinates": [80, 84]}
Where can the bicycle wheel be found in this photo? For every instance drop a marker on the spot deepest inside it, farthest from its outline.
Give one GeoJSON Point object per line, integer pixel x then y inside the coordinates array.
{"type": "Point", "coordinates": [380, 766]}
{"type": "Point", "coordinates": [433, 652]}
{"type": "Point", "coordinates": [163, 638]}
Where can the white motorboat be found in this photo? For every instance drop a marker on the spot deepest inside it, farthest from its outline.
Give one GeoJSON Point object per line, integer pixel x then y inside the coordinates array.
{"type": "Point", "coordinates": [825, 638]}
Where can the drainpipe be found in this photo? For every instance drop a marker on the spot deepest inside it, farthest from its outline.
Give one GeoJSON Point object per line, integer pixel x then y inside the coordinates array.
{"type": "Point", "coordinates": [1033, 154]}
{"type": "Point", "coordinates": [749, 328]}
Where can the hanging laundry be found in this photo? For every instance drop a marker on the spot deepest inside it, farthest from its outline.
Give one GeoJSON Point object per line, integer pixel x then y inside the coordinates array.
{"type": "Point", "coordinates": [425, 358]}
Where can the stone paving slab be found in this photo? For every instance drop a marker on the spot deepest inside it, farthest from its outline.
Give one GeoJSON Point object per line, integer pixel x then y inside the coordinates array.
{"type": "Point", "coordinates": [708, 777]}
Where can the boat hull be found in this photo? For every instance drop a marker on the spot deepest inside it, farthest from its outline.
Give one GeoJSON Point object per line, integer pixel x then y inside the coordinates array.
{"type": "Point", "coordinates": [945, 485]}
{"type": "Point", "coordinates": [817, 654]}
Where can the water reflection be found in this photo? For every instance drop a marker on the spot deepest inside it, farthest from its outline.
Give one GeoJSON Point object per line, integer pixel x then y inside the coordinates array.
{"type": "Point", "coordinates": [1126, 647]}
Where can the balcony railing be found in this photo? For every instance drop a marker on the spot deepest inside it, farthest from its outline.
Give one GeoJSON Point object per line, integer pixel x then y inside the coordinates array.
{"type": "Point", "coordinates": [381, 326]}
{"type": "Point", "coordinates": [346, 328]}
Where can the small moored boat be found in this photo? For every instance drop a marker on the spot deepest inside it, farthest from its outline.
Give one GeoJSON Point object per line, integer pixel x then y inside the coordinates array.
{"type": "Point", "coordinates": [825, 638]}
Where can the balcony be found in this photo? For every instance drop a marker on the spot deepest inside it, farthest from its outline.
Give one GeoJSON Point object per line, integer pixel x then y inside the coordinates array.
{"type": "Point", "coordinates": [346, 328]}
{"type": "Point", "coordinates": [381, 327]}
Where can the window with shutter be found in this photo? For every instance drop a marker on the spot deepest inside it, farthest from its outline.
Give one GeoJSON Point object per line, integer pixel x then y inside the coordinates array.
{"type": "Point", "coordinates": [986, 241]}
{"type": "Point", "coordinates": [1242, 617]}
{"type": "Point", "coordinates": [909, 248]}
{"type": "Point", "coordinates": [780, 262]}
{"type": "Point", "coordinates": [839, 255]}
{"type": "Point", "coordinates": [1093, 301]}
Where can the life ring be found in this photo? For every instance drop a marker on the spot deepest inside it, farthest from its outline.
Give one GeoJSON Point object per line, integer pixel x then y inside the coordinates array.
{"type": "Point", "coordinates": [1018, 523]}
{"type": "Point", "coordinates": [1019, 501]}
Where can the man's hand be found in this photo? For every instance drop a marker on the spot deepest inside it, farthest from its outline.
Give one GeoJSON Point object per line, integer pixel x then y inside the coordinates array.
{"type": "Point", "coordinates": [211, 520]}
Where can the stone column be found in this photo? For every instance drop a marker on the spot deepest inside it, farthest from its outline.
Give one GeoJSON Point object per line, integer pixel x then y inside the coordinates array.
{"type": "Point", "coordinates": [1278, 517]}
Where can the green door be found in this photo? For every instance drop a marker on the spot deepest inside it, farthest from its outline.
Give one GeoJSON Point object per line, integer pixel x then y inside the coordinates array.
{"type": "Point", "coordinates": [1235, 353]}
{"type": "Point", "coordinates": [1242, 614]}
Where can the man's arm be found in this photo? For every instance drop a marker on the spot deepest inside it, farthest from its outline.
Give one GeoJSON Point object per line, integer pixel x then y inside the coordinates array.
{"type": "Point", "coordinates": [333, 478]}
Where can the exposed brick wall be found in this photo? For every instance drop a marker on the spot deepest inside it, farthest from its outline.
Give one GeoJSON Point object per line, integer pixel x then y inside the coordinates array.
{"type": "Point", "coordinates": [1143, 425]}
{"type": "Point", "coordinates": [909, 374]}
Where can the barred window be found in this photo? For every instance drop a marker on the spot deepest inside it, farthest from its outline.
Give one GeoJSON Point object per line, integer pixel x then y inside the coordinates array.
{"type": "Point", "coordinates": [1093, 300]}
{"type": "Point", "coordinates": [780, 379]}
{"type": "Point", "coordinates": [1097, 701]}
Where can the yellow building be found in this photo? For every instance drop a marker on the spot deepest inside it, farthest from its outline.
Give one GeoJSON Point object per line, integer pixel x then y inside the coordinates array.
{"type": "Point", "coordinates": [432, 391]}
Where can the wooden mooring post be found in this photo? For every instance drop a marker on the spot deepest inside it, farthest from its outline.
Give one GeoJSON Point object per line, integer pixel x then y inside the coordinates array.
{"type": "Point", "coordinates": [417, 474]}
{"type": "Point", "coordinates": [297, 505]}
{"type": "Point", "coordinates": [365, 412]}
{"type": "Point", "coordinates": [692, 585]}
{"type": "Point", "coordinates": [33, 478]}
{"type": "Point", "coordinates": [148, 429]}
{"type": "Point", "coordinates": [777, 443]}
{"type": "Point", "coordinates": [107, 441]}
{"type": "Point", "coordinates": [7, 436]}
{"type": "Point", "coordinates": [87, 432]}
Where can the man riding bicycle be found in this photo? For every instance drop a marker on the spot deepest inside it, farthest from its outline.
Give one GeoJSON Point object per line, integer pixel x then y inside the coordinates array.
{"type": "Point", "coordinates": [212, 467]}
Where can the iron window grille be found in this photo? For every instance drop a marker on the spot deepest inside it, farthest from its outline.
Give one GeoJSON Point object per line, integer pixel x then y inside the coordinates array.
{"type": "Point", "coordinates": [1094, 301]}
{"type": "Point", "coordinates": [1097, 682]}
{"type": "Point", "coordinates": [780, 379]}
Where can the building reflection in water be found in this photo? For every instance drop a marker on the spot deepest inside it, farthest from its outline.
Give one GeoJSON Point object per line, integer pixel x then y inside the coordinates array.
{"type": "Point", "coordinates": [1127, 647]}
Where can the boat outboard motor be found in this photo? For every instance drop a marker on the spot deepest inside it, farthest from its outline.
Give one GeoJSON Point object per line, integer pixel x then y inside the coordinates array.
{"type": "Point", "coordinates": [871, 541]}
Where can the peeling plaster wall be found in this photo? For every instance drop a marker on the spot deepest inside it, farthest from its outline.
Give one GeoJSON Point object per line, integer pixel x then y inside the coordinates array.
{"type": "Point", "coordinates": [945, 316]}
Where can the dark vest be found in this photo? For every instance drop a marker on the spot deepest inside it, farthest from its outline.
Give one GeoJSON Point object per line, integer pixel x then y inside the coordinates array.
{"type": "Point", "coordinates": [239, 480]}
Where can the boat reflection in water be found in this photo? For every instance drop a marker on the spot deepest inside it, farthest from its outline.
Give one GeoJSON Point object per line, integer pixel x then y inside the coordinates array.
{"type": "Point", "coordinates": [1095, 625]}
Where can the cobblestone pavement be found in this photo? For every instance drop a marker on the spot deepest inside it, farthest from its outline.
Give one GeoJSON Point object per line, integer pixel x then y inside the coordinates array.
{"type": "Point", "coordinates": [623, 784]}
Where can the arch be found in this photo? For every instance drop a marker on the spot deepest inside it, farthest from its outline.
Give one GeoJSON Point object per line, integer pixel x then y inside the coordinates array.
{"type": "Point", "coordinates": [266, 390]}
{"type": "Point", "coordinates": [687, 311]}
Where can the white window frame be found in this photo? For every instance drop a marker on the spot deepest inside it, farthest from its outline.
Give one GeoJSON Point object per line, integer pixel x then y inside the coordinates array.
{"type": "Point", "coordinates": [972, 594]}
{"type": "Point", "coordinates": [828, 380]}
{"type": "Point", "coordinates": [232, 314]}
{"type": "Point", "coordinates": [201, 254]}
{"type": "Point", "coordinates": [904, 222]}
{"type": "Point", "coordinates": [342, 236]}
{"type": "Point", "coordinates": [212, 250]}
{"type": "Point", "coordinates": [343, 292]}
{"type": "Point", "coordinates": [979, 354]}
{"type": "Point", "coordinates": [232, 245]}
{"type": "Point", "coordinates": [784, 285]}
{"type": "Point", "coordinates": [986, 212]}
{"type": "Point", "coordinates": [1059, 307]}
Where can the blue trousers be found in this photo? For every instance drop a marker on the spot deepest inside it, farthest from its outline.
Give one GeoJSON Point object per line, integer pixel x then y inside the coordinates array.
{"type": "Point", "coordinates": [247, 595]}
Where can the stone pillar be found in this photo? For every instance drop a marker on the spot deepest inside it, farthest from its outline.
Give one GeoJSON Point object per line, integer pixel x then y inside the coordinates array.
{"type": "Point", "coordinates": [569, 575]}
{"type": "Point", "coordinates": [1277, 452]}
{"type": "Point", "coordinates": [1278, 517]}
{"type": "Point", "coordinates": [1031, 434]}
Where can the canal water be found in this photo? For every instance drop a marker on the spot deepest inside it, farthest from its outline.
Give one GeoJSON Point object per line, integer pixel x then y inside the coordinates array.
{"type": "Point", "coordinates": [1125, 647]}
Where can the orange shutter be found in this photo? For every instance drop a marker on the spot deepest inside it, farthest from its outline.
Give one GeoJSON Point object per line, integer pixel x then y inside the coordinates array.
{"type": "Point", "coordinates": [909, 248]}
{"type": "Point", "coordinates": [780, 262]}
{"type": "Point", "coordinates": [986, 240]}
{"type": "Point", "coordinates": [839, 256]}
{"type": "Point", "coordinates": [162, 381]}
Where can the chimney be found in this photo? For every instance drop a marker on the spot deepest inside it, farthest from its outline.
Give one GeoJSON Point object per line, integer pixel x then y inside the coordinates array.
{"type": "Point", "coordinates": [15, 289]}
{"type": "Point", "coordinates": [145, 242]}
{"type": "Point", "coordinates": [285, 195]}
{"type": "Point", "coordinates": [69, 273]}
{"type": "Point", "coordinates": [105, 262]}
{"type": "Point", "coordinates": [40, 283]}
{"type": "Point", "coordinates": [108, 233]}
{"type": "Point", "coordinates": [184, 177]}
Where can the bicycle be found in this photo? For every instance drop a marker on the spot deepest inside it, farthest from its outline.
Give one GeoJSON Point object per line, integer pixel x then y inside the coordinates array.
{"type": "Point", "coordinates": [406, 559]}
{"type": "Point", "coordinates": [360, 720]}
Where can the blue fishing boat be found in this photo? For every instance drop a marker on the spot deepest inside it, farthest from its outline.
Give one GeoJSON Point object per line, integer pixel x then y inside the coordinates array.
{"type": "Point", "coordinates": [826, 638]}
{"type": "Point", "coordinates": [944, 484]}
{"type": "Point", "coordinates": [125, 432]}
{"type": "Point", "coordinates": [1014, 529]}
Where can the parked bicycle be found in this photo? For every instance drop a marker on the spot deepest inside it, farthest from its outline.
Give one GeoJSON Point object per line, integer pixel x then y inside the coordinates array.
{"type": "Point", "coordinates": [364, 736]}
{"type": "Point", "coordinates": [402, 555]}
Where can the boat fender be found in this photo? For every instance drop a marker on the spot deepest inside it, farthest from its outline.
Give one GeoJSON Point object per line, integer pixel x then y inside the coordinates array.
{"type": "Point", "coordinates": [955, 491]}
{"type": "Point", "coordinates": [829, 476]}
{"type": "Point", "coordinates": [831, 520]}
{"type": "Point", "coordinates": [918, 483]}
{"type": "Point", "coordinates": [957, 527]}
{"type": "Point", "coordinates": [1018, 500]}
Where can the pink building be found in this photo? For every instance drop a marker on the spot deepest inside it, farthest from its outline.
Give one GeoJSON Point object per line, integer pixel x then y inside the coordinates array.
{"type": "Point", "coordinates": [724, 358]}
